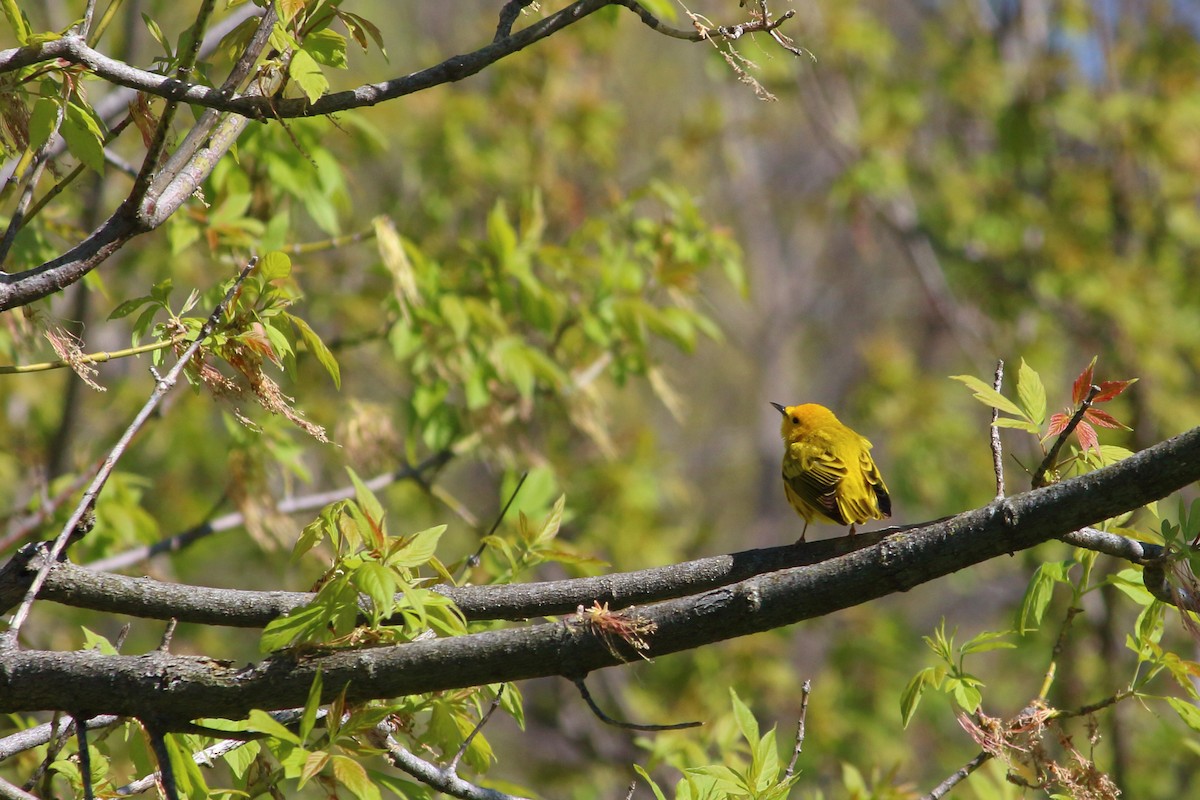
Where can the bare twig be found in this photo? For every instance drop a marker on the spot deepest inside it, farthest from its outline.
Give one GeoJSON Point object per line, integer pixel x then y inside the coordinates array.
{"type": "Point", "coordinates": [158, 143]}
{"type": "Point", "coordinates": [292, 505]}
{"type": "Point", "coordinates": [997, 452]}
{"type": "Point", "coordinates": [452, 767]}
{"type": "Point", "coordinates": [960, 774]}
{"type": "Point", "coordinates": [90, 358]}
{"type": "Point", "coordinates": [633, 726]}
{"type": "Point", "coordinates": [164, 646]}
{"type": "Point", "coordinates": [57, 739]}
{"type": "Point", "coordinates": [166, 771]}
{"type": "Point", "coordinates": [1039, 475]}
{"type": "Point", "coordinates": [12, 792]}
{"type": "Point", "coordinates": [87, 502]}
{"type": "Point", "coordinates": [805, 688]}
{"type": "Point", "coordinates": [431, 774]}
{"type": "Point", "coordinates": [39, 735]}
{"type": "Point", "coordinates": [473, 560]}
{"type": "Point", "coordinates": [85, 758]}
{"type": "Point", "coordinates": [508, 15]}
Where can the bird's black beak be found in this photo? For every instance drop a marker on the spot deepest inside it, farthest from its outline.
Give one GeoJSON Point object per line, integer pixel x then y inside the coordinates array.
{"type": "Point", "coordinates": [780, 409]}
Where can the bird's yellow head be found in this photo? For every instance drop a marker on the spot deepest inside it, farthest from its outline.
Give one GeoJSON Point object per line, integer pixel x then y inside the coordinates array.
{"type": "Point", "coordinates": [799, 419]}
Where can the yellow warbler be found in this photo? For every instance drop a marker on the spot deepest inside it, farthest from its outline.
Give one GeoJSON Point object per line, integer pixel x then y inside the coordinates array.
{"type": "Point", "coordinates": [828, 473]}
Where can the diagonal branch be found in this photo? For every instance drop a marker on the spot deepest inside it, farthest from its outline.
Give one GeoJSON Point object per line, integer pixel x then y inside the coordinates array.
{"type": "Point", "coordinates": [173, 689]}
{"type": "Point", "coordinates": [88, 501]}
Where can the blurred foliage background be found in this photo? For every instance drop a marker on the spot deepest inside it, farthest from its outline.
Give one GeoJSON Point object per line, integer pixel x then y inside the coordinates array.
{"type": "Point", "coordinates": [599, 260]}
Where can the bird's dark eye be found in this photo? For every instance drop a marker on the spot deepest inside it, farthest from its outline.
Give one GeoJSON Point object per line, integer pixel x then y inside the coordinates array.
{"type": "Point", "coordinates": [795, 420]}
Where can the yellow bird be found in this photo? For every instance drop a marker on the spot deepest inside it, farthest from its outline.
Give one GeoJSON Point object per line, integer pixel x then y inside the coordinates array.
{"type": "Point", "coordinates": [828, 472]}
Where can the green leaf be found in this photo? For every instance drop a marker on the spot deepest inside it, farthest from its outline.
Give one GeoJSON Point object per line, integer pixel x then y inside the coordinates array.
{"type": "Point", "coordinates": [311, 706]}
{"type": "Point", "coordinates": [283, 631]}
{"type": "Point", "coordinates": [261, 722]}
{"type": "Point", "coordinates": [418, 548]}
{"type": "Point", "coordinates": [306, 72]}
{"type": "Point", "coordinates": [353, 776]}
{"type": "Point", "coordinates": [658, 793]}
{"type": "Point", "coordinates": [42, 120]}
{"type": "Point", "coordinates": [1019, 424]}
{"type": "Point", "coordinates": [367, 500]}
{"type": "Point", "coordinates": [318, 349]}
{"type": "Point", "coordinates": [987, 395]}
{"type": "Point", "coordinates": [379, 583]}
{"type": "Point", "coordinates": [910, 698]}
{"type": "Point", "coordinates": [83, 137]}
{"type": "Point", "coordinates": [327, 48]}
{"type": "Point", "coordinates": [553, 522]}
{"type": "Point", "coordinates": [16, 21]}
{"type": "Point", "coordinates": [1037, 598]}
{"type": "Point", "coordinates": [1187, 712]}
{"type": "Point", "coordinates": [313, 764]}
{"type": "Point", "coordinates": [988, 640]}
{"type": "Point", "coordinates": [1031, 394]}
{"type": "Point", "coordinates": [274, 265]}
{"type": "Point", "coordinates": [746, 722]}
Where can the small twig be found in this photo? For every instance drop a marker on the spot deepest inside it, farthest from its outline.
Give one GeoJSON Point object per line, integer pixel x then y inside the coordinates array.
{"type": "Point", "coordinates": [23, 527]}
{"type": "Point", "coordinates": [57, 739]}
{"type": "Point", "coordinates": [473, 560]}
{"type": "Point", "coordinates": [292, 505]}
{"type": "Point", "coordinates": [121, 636]}
{"type": "Point", "coordinates": [805, 688]}
{"type": "Point", "coordinates": [1059, 644]}
{"type": "Point", "coordinates": [960, 774]}
{"type": "Point", "coordinates": [632, 786]}
{"type": "Point", "coordinates": [633, 726]}
{"type": "Point", "coordinates": [85, 757]}
{"type": "Point", "coordinates": [997, 452]}
{"type": "Point", "coordinates": [166, 772]}
{"type": "Point", "coordinates": [11, 791]}
{"type": "Point", "coordinates": [508, 15]}
{"type": "Point", "coordinates": [165, 645]}
{"type": "Point", "coordinates": [1039, 475]}
{"type": "Point", "coordinates": [158, 143]}
{"type": "Point", "coordinates": [431, 774]}
{"type": "Point", "coordinates": [90, 358]}
{"type": "Point", "coordinates": [87, 502]}
{"type": "Point", "coordinates": [452, 767]}
{"type": "Point", "coordinates": [30, 738]}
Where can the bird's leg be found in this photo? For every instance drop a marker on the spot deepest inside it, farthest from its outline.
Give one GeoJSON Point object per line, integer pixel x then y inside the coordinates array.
{"type": "Point", "coordinates": [852, 530]}
{"type": "Point", "coordinates": [802, 533]}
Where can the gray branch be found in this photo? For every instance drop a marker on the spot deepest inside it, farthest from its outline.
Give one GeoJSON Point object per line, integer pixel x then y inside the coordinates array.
{"type": "Point", "coordinates": [173, 689]}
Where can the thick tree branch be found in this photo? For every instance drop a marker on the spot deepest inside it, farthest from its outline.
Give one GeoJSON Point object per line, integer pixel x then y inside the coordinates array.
{"type": "Point", "coordinates": [82, 587]}
{"type": "Point", "coordinates": [174, 689]}
{"type": "Point", "coordinates": [75, 50]}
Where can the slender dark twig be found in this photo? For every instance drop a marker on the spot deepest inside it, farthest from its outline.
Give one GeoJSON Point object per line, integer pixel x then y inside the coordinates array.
{"type": "Point", "coordinates": [960, 774]}
{"type": "Point", "coordinates": [633, 726]}
{"type": "Point", "coordinates": [508, 15]}
{"type": "Point", "coordinates": [164, 646]}
{"type": "Point", "coordinates": [85, 757]}
{"type": "Point", "coordinates": [473, 560]}
{"type": "Point", "coordinates": [1039, 475]}
{"type": "Point", "coordinates": [87, 502]}
{"type": "Point", "coordinates": [805, 688]}
{"type": "Point", "coordinates": [166, 772]}
{"type": "Point", "coordinates": [452, 767]}
{"type": "Point", "coordinates": [997, 453]}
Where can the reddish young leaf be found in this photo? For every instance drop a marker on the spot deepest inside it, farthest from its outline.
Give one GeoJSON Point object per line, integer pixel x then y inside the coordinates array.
{"type": "Point", "coordinates": [1103, 419]}
{"type": "Point", "coordinates": [1058, 424]}
{"type": "Point", "coordinates": [1087, 437]}
{"type": "Point", "coordinates": [1079, 389]}
{"type": "Point", "coordinates": [1110, 389]}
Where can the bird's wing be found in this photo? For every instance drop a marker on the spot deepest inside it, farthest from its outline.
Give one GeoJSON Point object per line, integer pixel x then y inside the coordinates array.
{"type": "Point", "coordinates": [815, 477]}
{"type": "Point", "coordinates": [875, 481]}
